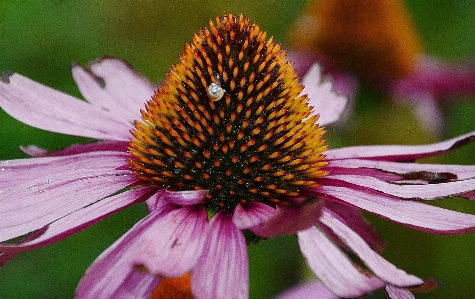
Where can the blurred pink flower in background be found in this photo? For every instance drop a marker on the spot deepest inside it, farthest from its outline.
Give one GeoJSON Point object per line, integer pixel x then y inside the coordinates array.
{"type": "Point", "coordinates": [377, 42]}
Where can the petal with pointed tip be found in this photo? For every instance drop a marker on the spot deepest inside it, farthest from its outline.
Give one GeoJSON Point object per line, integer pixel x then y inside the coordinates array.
{"type": "Point", "coordinates": [113, 85]}
{"type": "Point", "coordinates": [45, 108]}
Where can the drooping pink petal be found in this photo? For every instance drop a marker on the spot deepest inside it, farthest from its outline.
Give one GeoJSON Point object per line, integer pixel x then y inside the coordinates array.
{"type": "Point", "coordinates": [325, 101]}
{"type": "Point", "coordinates": [251, 214]}
{"type": "Point", "coordinates": [399, 152]}
{"type": "Point", "coordinates": [398, 293]}
{"type": "Point", "coordinates": [410, 213]}
{"type": "Point", "coordinates": [113, 85]}
{"type": "Point", "coordinates": [185, 198]}
{"type": "Point", "coordinates": [6, 256]}
{"type": "Point", "coordinates": [157, 201]}
{"type": "Point", "coordinates": [15, 172]}
{"type": "Point", "coordinates": [105, 146]}
{"type": "Point", "coordinates": [172, 245]}
{"type": "Point", "coordinates": [48, 109]}
{"type": "Point", "coordinates": [81, 219]}
{"type": "Point", "coordinates": [410, 191]}
{"type": "Point", "coordinates": [312, 289]}
{"type": "Point", "coordinates": [113, 272]}
{"type": "Point", "coordinates": [469, 195]}
{"type": "Point", "coordinates": [333, 267]}
{"type": "Point", "coordinates": [222, 271]}
{"type": "Point", "coordinates": [290, 220]}
{"type": "Point", "coordinates": [378, 265]}
{"type": "Point", "coordinates": [403, 171]}
{"type": "Point", "coordinates": [353, 218]}
{"type": "Point", "coordinates": [49, 198]}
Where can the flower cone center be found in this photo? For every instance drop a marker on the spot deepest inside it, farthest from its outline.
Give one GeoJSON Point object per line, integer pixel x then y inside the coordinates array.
{"type": "Point", "coordinates": [229, 118]}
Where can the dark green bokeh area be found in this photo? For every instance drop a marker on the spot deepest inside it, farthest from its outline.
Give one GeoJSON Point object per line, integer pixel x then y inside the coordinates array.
{"type": "Point", "coordinates": [39, 39]}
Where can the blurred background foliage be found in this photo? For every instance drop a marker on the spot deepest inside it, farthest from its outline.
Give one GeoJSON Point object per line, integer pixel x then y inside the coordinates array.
{"type": "Point", "coordinates": [39, 39]}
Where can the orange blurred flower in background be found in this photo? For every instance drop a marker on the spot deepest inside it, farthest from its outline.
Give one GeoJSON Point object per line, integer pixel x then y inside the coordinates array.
{"type": "Point", "coordinates": [377, 42]}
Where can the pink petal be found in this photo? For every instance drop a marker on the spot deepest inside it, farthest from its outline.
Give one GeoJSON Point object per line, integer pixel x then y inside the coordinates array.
{"type": "Point", "coordinates": [251, 214]}
{"type": "Point", "coordinates": [185, 198]}
{"type": "Point", "coordinates": [136, 284]}
{"type": "Point", "coordinates": [325, 101]}
{"type": "Point", "coordinates": [290, 220]}
{"type": "Point", "coordinates": [157, 201]}
{"type": "Point", "coordinates": [442, 78]}
{"type": "Point", "coordinates": [172, 245]}
{"type": "Point", "coordinates": [333, 267]}
{"type": "Point", "coordinates": [399, 152]}
{"type": "Point", "coordinates": [411, 191]}
{"type": "Point", "coordinates": [33, 150]}
{"type": "Point", "coordinates": [353, 218]}
{"type": "Point", "coordinates": [113, 273]}
{"type": "Point", "coordinates": [15, 172]}
{"type": "Point", "coordinates": [378, 265]}
{"type": "Point", "coordinates": [403, 171]}
{"type": "Point", "coordinates": [469, 195]}
{"type": "Point", "coordinates": [312, 289]}
{"type": "Point", "coordinates": [12, 252]}
{"type": "Point", "coordinates": [222, 271]}
{"type": "Point", "coordinates": [115, 86]}
{"type": "Point", "coordinates": [49, 198]}
{"type": "Point", "coordinates": [48, 109]}
{"type": "Point", "coordinates": [410, 213]}
{"type": "Point", "coordinates": [181, 198]}
{"type": "Point", "coordinates": [81, 219]}
{"type": "Point", "coordinates": [104, 146]}
{"type": "Point", "coordinates": [398, 293]}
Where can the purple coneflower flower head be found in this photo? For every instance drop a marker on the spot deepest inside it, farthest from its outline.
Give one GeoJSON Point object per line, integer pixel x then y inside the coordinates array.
{"type": "Point", "coordinates": [230, 142]}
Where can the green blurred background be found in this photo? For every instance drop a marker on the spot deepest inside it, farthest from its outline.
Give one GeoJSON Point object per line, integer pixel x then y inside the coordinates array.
{"type": "Point", "coordinates": [39, 39]}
